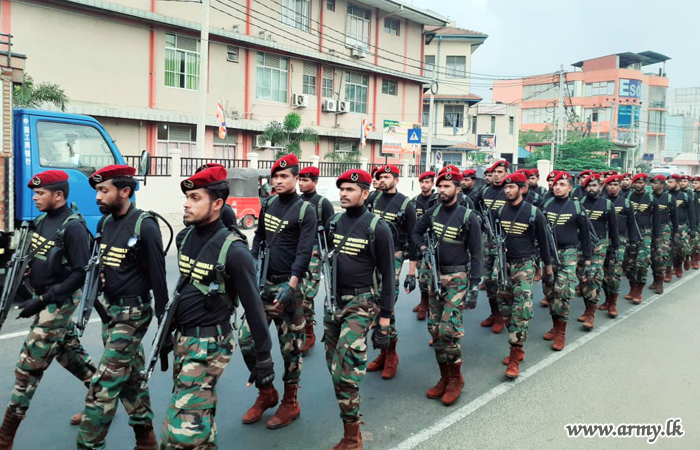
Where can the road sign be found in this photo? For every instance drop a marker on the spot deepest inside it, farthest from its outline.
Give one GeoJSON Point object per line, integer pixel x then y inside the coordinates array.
{"type": "Point", "coordinates": [395, 138]}
{"type": "Point", "coordinates": [648, 157]}
{"type": "Point", "coordinates": [414, 136]}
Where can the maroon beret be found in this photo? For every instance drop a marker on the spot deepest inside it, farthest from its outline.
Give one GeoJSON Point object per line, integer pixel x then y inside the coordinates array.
{"type": "Point", "coordinates": [584, 173]}
{"type": "Point", "coordinates": [204, 178]}
{"type": "Point", "coordinates": [525, 172]}
{"type": "Point", "coordinates": [449, 168]}
{"type": "Point", "coordinates": [208, 166]}
{"type": "Point", "coordinates": [110, 172]}
{"type": "Point", "coordinates": [285, 162]}
{"type": "Point", "coordinates": [626, 175]}
{"type": "Point", "coordinates": [501, 163]}
{"type": "Point", "coordinates": [47, 178]}
{"type": "Point", "coordinates": [449, 176]}
{"type": "Point", "coordinates": [309, 172]}
{"type": "Point", "coordinates": [428, 174]}
{"type": "Point", "coordinates": [675, 176]}
{"type": "Point", "coordinates": [561, 175]}
{"type": "Point", "coordinates": [659, 178]}
{"type": "Point", "coordinates": [535, 173]}
{"type": "Point", "coordinates": [354, 176]}
{"type": "Point", "coordinates": [552, 174]}
{"type": "Point", "coordinates": [640, 176]}
{"type": "Point", "coordinates": [389, 168]}
{"type": "Point", "coordinates": [373, 170]}
{"type": "Point", "coordinates": [469, 173]}
{"type": "Point", "coordinates": [591, 177]}
{"type": "Point", "coordinates": [613, 179]}
{"type": "Point", "coordinates": [518, 178]}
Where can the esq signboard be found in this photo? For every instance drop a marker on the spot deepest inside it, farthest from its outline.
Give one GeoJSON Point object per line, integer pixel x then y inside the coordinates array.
{"type": "Point", "coordinates": [630, 88]}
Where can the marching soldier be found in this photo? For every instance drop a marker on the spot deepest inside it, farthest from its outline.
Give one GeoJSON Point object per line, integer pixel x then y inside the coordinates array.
{"type": "Point", "coordinates": [523, 225]}
{"type": "Point", "coordinates": [492, 198]}
{"type": "Point", "coordinates": [646, 213]}
{"type": "Point", "coordinates": [228, 215]}
{"type": "Point", "coordinates": [696, 241]}
{"type": "Point", "coordinates": [488, 178]}
{"type": "Point", "coordinates": [216, 272]}
{"type": "Point", "coordinates": [531, 195]}
{"type": "Point", "coordinates": [533, 181]}
{"type": "Point", "coordinates": [375, 185]}
{"type": "Point", "coordinates": [287, 230]}
{"type": "Point", "coordinates": [468, 180]}
{"type": "Point", "coordinates": [457, 233]}
{"type": "Point", "coordinates": [308, 180]}
{"type": "Point", "coordinates": [130, 270]}
{"type": "Point", "coordinates": [601, 212]}
{"type": "Point", "coordinates": [60, 249]}
{"type": "Point", "coordinates": [424, 201]}
{"type": "Point", "coordinates": [571, 234]}
{"type": "Point", "coordinates": [579, 192]}
{"type": "Point", "coordinates": [400, 214]}
{"type": "Point", "coordinates": [686, 224]}
{"type": "Point", "coordinates": [625, 184]}
{"type": "Point", "coordinates": [661, 248]}
{"type": "Point", "coordinates": [627, 233]}
{"type": "Point", "coordinates": [362, 247]}
{"type": "Point", "coordinates": [688, 189]}
{"type": "Point", "coordinates": [550, 184]}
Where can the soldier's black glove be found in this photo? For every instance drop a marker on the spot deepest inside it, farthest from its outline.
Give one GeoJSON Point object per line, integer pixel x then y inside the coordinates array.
{"type": "Point", "coordinates": [548, 279]}
{"type": "Point", "coordinates": [263, 373]}
{"type": "Point", "coordinates": [165, 350]}
{"type": "Point", "coordinates": [286, 297]}
{"type": "Point", "coordinates": [472, 296]}
{"type": "Point", "coordinates": [31, 308]}
{"type": "Point", "coordinates": [410, 283]}
{"type": "Point", "coordinates": [380, 337]}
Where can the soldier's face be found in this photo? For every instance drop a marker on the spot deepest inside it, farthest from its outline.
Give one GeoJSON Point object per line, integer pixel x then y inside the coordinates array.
{"type": "Point", "coordinates": [562, 188]}
{"type": "Point", "coordinates": [109, 198]}
{"type": "Point", "coordinates": [593, 188]}
{"type": "Point", "coordinates": [200, 208]}
{"type": "Point", "coordinates": [307, 185]}
{"type": "Point", "coordinates": [284, 182]}
{"type": "Point", "coordinates": [657, 186]}
{"type": "Point", "coordinates": [499, 173]}
{"type": "Point", "coordinates": [672, 184]}
{"type": "Point", "coordinates": [426, 185]}
{"type": "Point", "coordinates": [613, 188]}
{"type": "Point", "coordinates": [352, 195]}
{"type": "Point", "coordinates": [532, 181]}
{"type": "Point", "coordinates": [447, 190]}
{"type": "Point", "coordinates": [684, 184]}
{"type": "Point", "coordinates": [639, 185]}
{"type": "Point", "coordinates": [387, 181]}
{"type": "Point", "coordinates": [488, 178]}
{"type": "Point", "coordinates": [696, 185]}
{"type": "Point", "coordinates": [514, 192]}
{"type": "Point", "coordinates": [375, 183]}
{"type": "Point", "coordinates": [45, 200]}
{"type": "Point", "coordinates": [626, 182]}
{"type": "Point", "coordinates": [467, 183]}
{"type": "Point", "coordinates": [550, 183]}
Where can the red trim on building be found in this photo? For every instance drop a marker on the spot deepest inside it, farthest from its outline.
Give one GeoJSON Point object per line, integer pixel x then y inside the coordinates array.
{"type": "Point", "coordinates": [151, 138]}
{"type": "Point", "coordinates": [247, 16]}
{"type": "Point", "coordinates": [6, 23]}
{"type": "Point", "coordinates": [320, 27]}
{"type": "Point", "coordinates": [376, 38]}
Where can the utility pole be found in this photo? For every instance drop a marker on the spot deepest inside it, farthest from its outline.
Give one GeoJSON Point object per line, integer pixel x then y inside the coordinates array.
{"type": "Point", "coordinates": [203, 77]}
{"type": "Point", "coordinates": [559, 117]}
{"type": "Point", "coordinates": [429, 143]}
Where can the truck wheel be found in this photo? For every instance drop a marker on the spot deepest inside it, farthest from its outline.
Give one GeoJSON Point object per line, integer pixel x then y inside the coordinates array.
{"type": "Point", "coordinates": [248, 222]}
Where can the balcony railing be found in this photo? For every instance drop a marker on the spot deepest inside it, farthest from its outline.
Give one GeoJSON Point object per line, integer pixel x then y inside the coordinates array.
{"type": "Point", "coordinates": [188, 166]}
{"type": "Point", "coordinates": [160, 165]}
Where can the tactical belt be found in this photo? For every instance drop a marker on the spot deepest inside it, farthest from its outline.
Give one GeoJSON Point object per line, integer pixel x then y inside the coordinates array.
{"type": "Point", "coordinates": [277, 279]}
{"type": "Point", "coordinates": [519, 260]}
{"type": "Point", "coordinates": [446, 270]}
{"type": "Point", "coordinates": [222, 329]}
{"type": "Point", "coordinates": [355, 291]}
{"type": "Point", "coordinates": [132, 301]}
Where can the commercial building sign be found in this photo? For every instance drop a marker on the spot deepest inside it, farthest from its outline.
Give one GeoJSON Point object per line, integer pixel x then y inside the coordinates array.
{"type": "Point", "coordinates": [486, 141]}
{"type": "Point", "coordinates": [627, 116]}
{"type": "Point", "coordinates": [396, 136]}
{"type": "Point", "coordinates": [630, 88]}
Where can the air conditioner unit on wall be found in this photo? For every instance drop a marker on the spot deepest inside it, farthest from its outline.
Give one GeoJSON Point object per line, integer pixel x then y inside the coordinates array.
{"type": "Point", "coordinates": [300, 101]}
{"type": "Point", "coordinates": [358, 52]}
{"type": "Point", "coordinates": [329, 105]}
{"type": "Point", "coordinates": [261, 142]}
{"type": "Point", "coordinates": [343, 107]}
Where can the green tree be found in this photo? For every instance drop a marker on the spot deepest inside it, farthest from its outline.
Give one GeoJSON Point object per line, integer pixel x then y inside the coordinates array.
{"type": "Point", "coordinates": [527, 136]}
{"type": "Point", "coordinates": [289, 135]}
{"type": "Point", "coordinates": [343, 157]}
{"type": "Point", "coordinates": [582, 154]}
{"type": "Point", "coordinates": [29, 95]}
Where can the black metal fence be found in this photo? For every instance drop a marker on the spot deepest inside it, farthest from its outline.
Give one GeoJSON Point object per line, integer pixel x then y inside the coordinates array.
{"type": "Point", "coordinates": [160, 165]}
{"type": "Point", "coordinates": [332, 169]}
{"type": "Point", "coordinates": [188, 166]}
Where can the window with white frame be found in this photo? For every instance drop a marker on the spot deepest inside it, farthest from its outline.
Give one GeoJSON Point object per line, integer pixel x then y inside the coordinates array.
{"type": "Point", "coordinates": [429, 66]}
{"type": "Point", "coordinates": [181, 61]}
{"type": "Point", "coordinates": [426, 117]}
{"type": "Point", "coordinates": [356, 91]}
{"type": "Point", "coordinates": [493, 124]}
{"type": "Point", "coordinates": [511, 125]}
{"type": "Point", "coordinates": [601, 88]}
{"type": "Point", "coordinates": [272, 76]}
{"type": "Point", "coordinates": [295, 13]}
{"type": "Point", "coordinates": [474, 124]}
{"type": "Point", "coordinates": [327, 82]}
{"type": "Point", "coordinates": [392, 26]}
{"type": "Point", "coordinates": [538, 115]}
{"type": "Point", "coordinates": [357, 27]}
{"type": "Point", "coordinates": [180, 137]}
{"type": "Point", "coordinates": [539, 91]}
{"type": "Point", "coordinates": [231, 53]}
{"type": "Point", "coordinates": [454, 116]}
{"type": "Point", "coordinates": [225, 148]}
{"type": "Point", "coordinates": [346, 145]}
{"type": "Point", "coordinates": [330, 5]}
{"type": "Point", "coordinates": [309, 79]}
{"type": "Point", "coordinates": [456, 67]}
{"type": "Point", "coordinates": [389, 87]}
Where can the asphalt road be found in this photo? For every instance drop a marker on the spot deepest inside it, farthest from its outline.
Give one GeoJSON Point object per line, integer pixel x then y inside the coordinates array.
{"type": "Point", "coordinates": [641, 369]}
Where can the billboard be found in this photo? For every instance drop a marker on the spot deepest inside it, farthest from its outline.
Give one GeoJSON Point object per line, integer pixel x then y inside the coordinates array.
{"type": "Point", "coordinates": [629, 88]}
{"type": "Point", "coordinates": [627, 116]}
{"type": "Point", "coordinates": [395, 137]}
{"type": "Point", "coordinates": [486, 141]}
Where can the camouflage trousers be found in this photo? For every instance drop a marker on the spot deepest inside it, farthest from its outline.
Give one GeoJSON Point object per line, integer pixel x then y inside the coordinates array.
{"type": "Point", "coordinates": [345, 338]}
{"type": "Point", "coordinates": [640, 265]}
{"type": "Point", "coordinates": [661, 248]}
{"type": "Point", "coordinates": [51, 335]}
{"type": "Point", "coordinates": [424, 274]}
{"type": "Point", "coordinates": [399, 258]}
{"type": "Point", "coordinates": [491, 270]}
{"type": "Point", "coordinates": [118, 376]}
{"type": "Point", "coordinates": [612, 269]}
{"type": "Point", "coordinates": [445, 317]}
{"type": "Point", "coordinates": [681, 244]}
{"type": "Point", "coordinates": [515, 300]}
{"type": "Point", "coordinates": [559, 296]}
{"type": "Point", "coordinates": [312, 280]}
{"type": "Point", "coordinates": [290, 332]}
{"type": "Point", "coordinates": [590, 289]}
{"type": "Point", "coordinates": [198, 365]}
{"type": "Point", "coordinates": [696, 243]}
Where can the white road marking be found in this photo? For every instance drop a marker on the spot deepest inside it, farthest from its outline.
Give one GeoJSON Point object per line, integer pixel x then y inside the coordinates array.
{"type": "Point", "coordinates": [506, 386]}
{"type": "Point", "coordinates": [26, 332]}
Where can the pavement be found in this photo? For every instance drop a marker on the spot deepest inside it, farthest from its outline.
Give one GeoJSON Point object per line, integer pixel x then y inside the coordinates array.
{"type": "Point", "coordinates": [638, 368]}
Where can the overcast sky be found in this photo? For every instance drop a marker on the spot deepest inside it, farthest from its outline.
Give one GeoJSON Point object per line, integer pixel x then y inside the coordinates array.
{"type": "Point", "coordinates": [528, 37]}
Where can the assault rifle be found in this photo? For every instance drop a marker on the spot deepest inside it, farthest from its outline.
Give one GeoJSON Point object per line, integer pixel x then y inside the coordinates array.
{"type": "Point", "coordinates": [324, 256]}
{"type": "Point", "coordinates": [91, 290]}
{"type": "Point", "coordinates": [16, 268]}
{"type": "Point", "coordinates": [431, 245]}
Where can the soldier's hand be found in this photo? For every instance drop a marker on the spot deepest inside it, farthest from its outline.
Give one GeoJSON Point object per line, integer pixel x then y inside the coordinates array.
{"type": "Point", "coordinates": [31, 307]}
{"type": "Point", "coordinates": [263, 373]}
{"type": "Point", "coordinates": [472, 296]}
{"type": "Point", "coordinates": [587, 273]}
{"type": "Point", "coordinates": [548, 279]}
{"type": "Point", "coordinates": [286, 297]}
{"type": "Point", "coordinates": [409, 283]}
{"type": "Point", "coordinates": [380, 337]}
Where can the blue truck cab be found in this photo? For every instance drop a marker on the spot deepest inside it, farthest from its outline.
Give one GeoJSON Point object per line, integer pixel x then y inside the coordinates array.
{"type": "Point", "coordinates": [78, 145]}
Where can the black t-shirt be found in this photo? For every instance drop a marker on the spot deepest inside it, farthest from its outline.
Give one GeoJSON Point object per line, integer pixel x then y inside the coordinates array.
{"type": "Point", "coordinates": [459, 239]}
{"type": "Point", "coordinates": [290, 253]}
{"type": "Point", "coordinates": [57, 284]}
{"type": "Point", "coordinates": [424, 202]}
{"type": "Point", "coordinates": [569, 225]}
{"type": "Point", "coordinates": [646, 211]}
{"type": "Point", "coordinates": [667, 210]}
{"type": "Point", "coordinates": [578, 193]}
{"type": "Point", "coordinates": [491, 198]}
{"type": "Point", "coordinates": [685, 208]}
{"type": "Point", "coordinates": [533, 198]}
{"type": "Point", "coordinates": [198, 257]}
{"type": "Point", "coordinates": [132, 272]}
{"type": "Point", "coordinates": [356, 260]}
{"type": "Point", "coordinates": [388, 207]}
{"type": "Point", "coordinates": [522, 229]}
{"type": "Point", "coordinates": [228, 216]}
{"type": "Point", "coordinates": [602, 215]}
{"type": "Point", "coordinates": [625, 218]}
{"type": "Point", "coordinates": [323, 206]}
